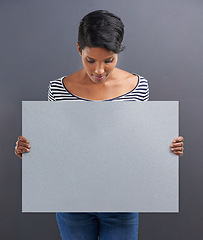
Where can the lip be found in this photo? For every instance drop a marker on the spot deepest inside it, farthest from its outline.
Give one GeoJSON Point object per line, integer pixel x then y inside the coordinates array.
{"type": "Point", "coordinates": [99, 77]}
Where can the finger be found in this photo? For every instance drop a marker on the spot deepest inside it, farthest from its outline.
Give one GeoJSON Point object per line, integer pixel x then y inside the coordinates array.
{"type": "Point", "coordinates": [20, 143]}
{"type": "Point", "coordinates": [179, 139]}
{"type": "Point", "coordinates": [180, 153]}
{"type": "Point", "coordinates": [177, 144]}
{"type": "Point", "coordinates": [177, 149]}
{"type": "Point", "coordinates": [18, 151]}
{"type": "Point", "coordinates": [27, 145]}
{"type": "Point", "coordinates": [23, 139]}
{"type": "Point", "coordinates": [22, 149]}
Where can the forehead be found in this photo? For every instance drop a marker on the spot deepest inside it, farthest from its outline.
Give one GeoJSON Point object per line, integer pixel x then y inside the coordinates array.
{"type": "Point", "coordinates": [98, 53]}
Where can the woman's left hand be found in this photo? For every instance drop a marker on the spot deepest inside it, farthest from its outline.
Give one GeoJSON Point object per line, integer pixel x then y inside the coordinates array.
{"type": "Point", "coordinates": [177, 146]}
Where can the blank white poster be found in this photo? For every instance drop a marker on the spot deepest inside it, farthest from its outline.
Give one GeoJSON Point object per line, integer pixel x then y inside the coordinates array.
{"type": "Point", "coordinates": [100, 156]}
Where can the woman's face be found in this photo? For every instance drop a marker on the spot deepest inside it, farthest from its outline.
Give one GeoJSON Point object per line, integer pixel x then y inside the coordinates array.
{"type": "Point", "coordinates": [98, 62]}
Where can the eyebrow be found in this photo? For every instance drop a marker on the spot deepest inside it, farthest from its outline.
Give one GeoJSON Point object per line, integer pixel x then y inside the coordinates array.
{"type": "Point", "coordinates": [105, 59]}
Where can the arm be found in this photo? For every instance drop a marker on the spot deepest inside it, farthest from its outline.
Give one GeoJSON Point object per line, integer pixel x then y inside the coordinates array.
{"type": "Point", "coordinates": [177, 143]}
{"type": "Point", "coordinates": [22, 144]}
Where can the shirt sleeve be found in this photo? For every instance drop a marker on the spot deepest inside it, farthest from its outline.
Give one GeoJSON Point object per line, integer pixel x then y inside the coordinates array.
{"type": "Point", "coordinates": [143, 89]}
{"type": "Point", "coordinates": [50, 94]}
{"type": "Point", "coordinates": [147, 91]}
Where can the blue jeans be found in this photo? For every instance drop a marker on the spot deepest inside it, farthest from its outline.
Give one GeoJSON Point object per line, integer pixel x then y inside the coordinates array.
{"type": "Point", "coordinates": [106, 225]}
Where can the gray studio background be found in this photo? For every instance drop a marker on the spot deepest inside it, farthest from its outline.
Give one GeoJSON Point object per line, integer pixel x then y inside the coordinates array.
{"type": "Point", "coordinates": [163, 42]}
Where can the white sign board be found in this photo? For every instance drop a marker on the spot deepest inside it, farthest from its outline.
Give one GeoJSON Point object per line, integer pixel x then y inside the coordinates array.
{"type": "Point", "coordinates": [100, 156]}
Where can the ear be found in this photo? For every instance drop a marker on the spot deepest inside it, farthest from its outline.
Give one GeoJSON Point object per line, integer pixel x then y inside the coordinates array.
{"type": "Point", "coordinates": [79, 50]}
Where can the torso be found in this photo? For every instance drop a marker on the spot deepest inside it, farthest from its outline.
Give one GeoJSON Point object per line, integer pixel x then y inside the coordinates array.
{"type": "Point", "coordinates": [123, 83]}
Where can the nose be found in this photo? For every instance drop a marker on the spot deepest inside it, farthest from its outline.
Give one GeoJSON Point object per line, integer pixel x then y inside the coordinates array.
{"type": "Point", "coordinates": [99, 70]}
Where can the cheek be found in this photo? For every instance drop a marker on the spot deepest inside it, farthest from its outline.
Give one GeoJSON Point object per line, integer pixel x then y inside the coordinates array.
{"type": "Point", "coordinates": [87, 66]}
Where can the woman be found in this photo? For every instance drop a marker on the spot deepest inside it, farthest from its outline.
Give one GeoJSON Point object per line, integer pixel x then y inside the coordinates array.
{"type": "Point", "coordinates": [99, 43]}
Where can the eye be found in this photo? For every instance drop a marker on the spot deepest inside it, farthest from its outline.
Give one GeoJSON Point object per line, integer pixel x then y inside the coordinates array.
{"type": "Point", "coordinates": [105, 61]}
{"type": "Point", "coordinates": [109, 61]}
{"type": "Point", "coordinates": [90, 61]}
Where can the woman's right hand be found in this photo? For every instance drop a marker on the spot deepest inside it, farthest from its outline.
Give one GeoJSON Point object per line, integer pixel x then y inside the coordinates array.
{"type": "Point", "coordinates": [22, 146]}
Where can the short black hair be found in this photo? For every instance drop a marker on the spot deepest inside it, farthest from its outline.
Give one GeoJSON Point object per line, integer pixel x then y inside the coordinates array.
{"type": "Point", "coordinates": [103, 29]}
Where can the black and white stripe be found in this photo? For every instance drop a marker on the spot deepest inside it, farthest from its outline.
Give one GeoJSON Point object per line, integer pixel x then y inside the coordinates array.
{"type": "Point", "coordinates": [58, 92]}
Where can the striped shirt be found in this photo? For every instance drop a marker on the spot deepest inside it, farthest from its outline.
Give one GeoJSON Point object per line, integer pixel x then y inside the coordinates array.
{"type": "Point", "coordinates": [58, 92]}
